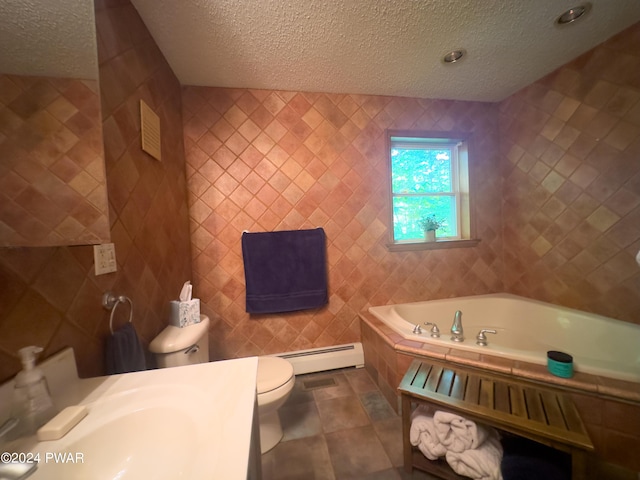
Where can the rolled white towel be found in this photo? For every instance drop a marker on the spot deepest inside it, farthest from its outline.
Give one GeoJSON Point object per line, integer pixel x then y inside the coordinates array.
{"type": "Point", "coordinates": [422, 435]}
{"type": "Point", "coordinates": [457, 433]}
{"type": "Point", "coordinates": [481, 463]}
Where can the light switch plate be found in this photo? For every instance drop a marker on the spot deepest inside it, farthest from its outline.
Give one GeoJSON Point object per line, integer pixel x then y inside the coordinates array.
{"type": "Point", "coordinates": [104, 258]}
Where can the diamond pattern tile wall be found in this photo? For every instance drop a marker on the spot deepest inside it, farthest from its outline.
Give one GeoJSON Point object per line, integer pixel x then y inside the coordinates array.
{"type": "Point", "coordinates": [52, 179]}
{"type": "Point", "coordinates": [50, 296]}
{"type": "Point", "coordinates": [571, 177]}
{"type": "Point", "coordinates": [271, 160]}
{"type": "Point", "coordinates": [265, 160]}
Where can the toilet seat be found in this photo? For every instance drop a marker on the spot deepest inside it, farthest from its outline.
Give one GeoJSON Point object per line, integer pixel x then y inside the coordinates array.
{"type": "Point", "coordinates": [273, 372]}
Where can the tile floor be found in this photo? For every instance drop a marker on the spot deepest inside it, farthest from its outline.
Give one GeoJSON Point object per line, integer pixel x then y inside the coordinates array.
{"type": "Point", "coordinates": [348, 431]}
{"type": "Point", "coordinates": [345, 431]}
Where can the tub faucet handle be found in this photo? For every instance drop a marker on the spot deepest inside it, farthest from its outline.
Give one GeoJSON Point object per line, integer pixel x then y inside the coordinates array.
{"type": "Point", "coordinates": [481, 339]}
{"type": "Point", "coordinates": [435, 331]}
{"type": "Point", "coordinates": [417, 329]}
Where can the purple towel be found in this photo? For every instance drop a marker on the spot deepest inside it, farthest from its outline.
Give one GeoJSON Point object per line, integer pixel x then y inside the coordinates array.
{"type": "Point", "coordinates": [285, 271]}
{"type": "Point", "coordinates": [124, 353]}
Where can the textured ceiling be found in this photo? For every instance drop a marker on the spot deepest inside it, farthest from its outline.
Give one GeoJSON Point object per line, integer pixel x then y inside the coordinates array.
{"type": "Point", "coordinates": [384, 47]}
{"type": "Point", "coordinates": [376, 46]}
{"type": "Point", "coordinates": [54, 38]}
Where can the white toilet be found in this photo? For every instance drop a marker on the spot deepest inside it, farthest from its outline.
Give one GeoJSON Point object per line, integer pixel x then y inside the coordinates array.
{"type": "Point", "coordinates": [175, 347]}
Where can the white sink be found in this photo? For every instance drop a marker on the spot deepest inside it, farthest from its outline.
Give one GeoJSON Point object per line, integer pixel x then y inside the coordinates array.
{"type": "Point", "coordinates": [159, 436]}
{"type": "Point", "coordinates": [175, 423]}
{"type": "Point", "coordinates": [125, 459]}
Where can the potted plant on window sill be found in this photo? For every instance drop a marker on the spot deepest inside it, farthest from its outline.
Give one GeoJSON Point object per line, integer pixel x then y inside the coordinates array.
{"type": "Point", "coordinates": [430, 224]}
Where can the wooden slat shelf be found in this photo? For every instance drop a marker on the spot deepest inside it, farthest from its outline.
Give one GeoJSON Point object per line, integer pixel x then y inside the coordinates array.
{"type": "Point", "coordinates": [544, 415]}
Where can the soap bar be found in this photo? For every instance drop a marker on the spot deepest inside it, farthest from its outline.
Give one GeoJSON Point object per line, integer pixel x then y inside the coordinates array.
{"type": "Point", "coordinates": [60, 425]}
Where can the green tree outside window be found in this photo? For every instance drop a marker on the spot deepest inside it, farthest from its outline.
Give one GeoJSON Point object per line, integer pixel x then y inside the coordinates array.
{"type": "Point", "coordinates": [422, 180]}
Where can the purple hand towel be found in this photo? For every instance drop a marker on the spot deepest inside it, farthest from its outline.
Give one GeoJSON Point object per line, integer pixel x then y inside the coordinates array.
{"type": "Point", "coordinates": [124, 352]}
{"type": "Point", "coordinates": [285, 271]}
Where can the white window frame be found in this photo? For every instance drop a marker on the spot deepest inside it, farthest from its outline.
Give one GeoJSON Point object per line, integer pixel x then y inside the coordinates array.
{"type": "Point", "coordinates": [461, 188]}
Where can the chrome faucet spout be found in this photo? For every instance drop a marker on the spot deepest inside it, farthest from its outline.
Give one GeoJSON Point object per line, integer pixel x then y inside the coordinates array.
{"type": "Point", "coordinates": [6, 427]}
{"type": "Point", "coordinates": [457, 332]}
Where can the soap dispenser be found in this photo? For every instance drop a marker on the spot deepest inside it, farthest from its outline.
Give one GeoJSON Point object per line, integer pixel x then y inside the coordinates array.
{"type": "Point", "coordinates": [32, 405]}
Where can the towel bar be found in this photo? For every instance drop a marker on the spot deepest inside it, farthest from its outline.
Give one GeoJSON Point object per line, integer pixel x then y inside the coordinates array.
{"type": "Point", "coordinates": [110, 302]}
{"type": "Point", "coordinates": [248, 231]}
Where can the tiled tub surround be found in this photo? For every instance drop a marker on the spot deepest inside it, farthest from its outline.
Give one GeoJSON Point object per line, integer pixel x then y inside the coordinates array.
{"type": "Point", "coordinates": [610, 408]}
{"type": "Point", "coordinates": [524, 330]}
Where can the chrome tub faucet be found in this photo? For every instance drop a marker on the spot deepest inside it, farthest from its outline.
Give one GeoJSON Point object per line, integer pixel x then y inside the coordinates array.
{"type": "Point", "coordinates": [5, 428]}
{"type": "Point", "coordinates": [457, 332]}
{"type": "Point", "coordinates": [481, 339]}
{"type": "Point", "coordinates": [435, 332]}
{"type": "Point", "coordinates": [9, 469]}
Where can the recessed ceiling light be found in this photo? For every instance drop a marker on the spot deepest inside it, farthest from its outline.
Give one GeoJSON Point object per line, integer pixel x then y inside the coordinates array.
{"type": "Point", "coordinates": [573, 14]}
{"type": "Point", "coordinates": [453, 56]}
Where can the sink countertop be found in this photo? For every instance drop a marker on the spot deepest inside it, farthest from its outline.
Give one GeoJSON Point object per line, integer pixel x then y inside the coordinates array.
{"type": "Point", "coordinates": [209, 434]}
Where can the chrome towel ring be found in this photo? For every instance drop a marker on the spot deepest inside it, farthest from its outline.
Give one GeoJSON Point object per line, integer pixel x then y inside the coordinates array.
{"type": "Point", "coordinates": [111, 301]}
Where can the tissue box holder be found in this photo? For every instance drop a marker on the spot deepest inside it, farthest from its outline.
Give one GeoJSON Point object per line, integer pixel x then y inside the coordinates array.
{"type": "Point", "coordinates": [183, 314]}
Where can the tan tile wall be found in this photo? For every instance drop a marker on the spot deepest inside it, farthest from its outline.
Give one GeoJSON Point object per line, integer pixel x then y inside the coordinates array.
{"type": "Point", "coordinates": [385, 365]}
{"type": "Point", "coordinates": [269, 160]}
{"type": "Point", "coordinates": [264, 160]}
{"type": "Point", "coordinates": [52, 180]}
{"type": "Point", "coordinates": [50, 296]}
{"type": "Point", "coordinates": [571, 182]}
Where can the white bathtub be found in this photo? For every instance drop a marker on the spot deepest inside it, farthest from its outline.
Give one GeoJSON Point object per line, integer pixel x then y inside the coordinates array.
{"type": "Point", "coordinates": [527, 329]}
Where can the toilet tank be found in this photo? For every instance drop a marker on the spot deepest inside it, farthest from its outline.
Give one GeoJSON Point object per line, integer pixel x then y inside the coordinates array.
{"type": "Point", "coordinates": [176, 346]}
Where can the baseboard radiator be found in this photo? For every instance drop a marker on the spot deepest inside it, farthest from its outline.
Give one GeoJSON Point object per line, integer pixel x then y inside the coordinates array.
{"type": "Point", "coordinates": [329, 358]}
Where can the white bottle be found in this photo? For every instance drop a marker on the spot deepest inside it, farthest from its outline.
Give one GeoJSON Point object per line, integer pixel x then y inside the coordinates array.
{"type": "Point", "coordinates": [32, 406]}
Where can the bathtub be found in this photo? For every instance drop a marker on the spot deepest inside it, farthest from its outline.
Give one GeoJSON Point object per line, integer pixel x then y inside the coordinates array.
{"type": "Point", "coordinates": [526, 330]}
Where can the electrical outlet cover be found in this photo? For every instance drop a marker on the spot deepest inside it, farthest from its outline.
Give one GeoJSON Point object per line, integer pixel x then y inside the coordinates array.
{"type": "Point", "coordinates": [104, 257]}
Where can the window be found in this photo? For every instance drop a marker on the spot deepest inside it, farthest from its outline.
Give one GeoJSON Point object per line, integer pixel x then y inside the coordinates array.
{"type": "Point", "coordinates": [429, 175]}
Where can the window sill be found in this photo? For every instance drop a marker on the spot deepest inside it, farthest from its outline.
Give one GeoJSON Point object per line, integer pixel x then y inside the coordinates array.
{"type": "Point", "coordinates": [437, 245]}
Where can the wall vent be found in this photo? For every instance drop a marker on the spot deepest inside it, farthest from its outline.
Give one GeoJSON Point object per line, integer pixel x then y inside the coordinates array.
{"type": "Point", "coordinates": [150, 131]}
